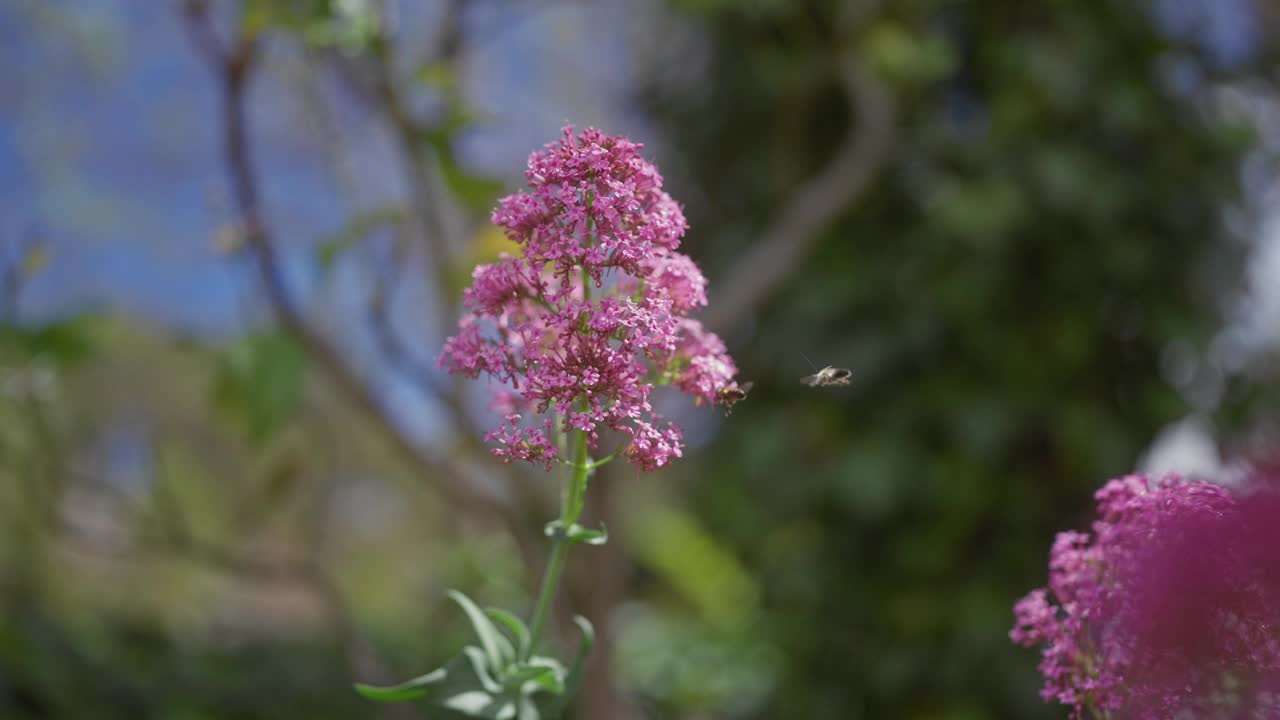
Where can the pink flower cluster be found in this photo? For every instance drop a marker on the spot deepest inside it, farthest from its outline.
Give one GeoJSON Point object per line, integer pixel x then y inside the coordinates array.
{"type": "Point", "coordinates": [1170, 608]}
{"type": "Point", "coordinates": [595, 312]}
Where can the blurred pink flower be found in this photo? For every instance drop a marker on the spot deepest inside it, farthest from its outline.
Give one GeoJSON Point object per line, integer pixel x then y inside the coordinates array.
{"type": "Point", "coordinates": [1170, 608]}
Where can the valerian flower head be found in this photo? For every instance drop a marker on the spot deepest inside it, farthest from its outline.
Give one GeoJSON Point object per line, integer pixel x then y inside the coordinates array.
{"type": "Point", "coordinates": [595, 311]}
{"type": "Point", "coordinates": [1169, 608]}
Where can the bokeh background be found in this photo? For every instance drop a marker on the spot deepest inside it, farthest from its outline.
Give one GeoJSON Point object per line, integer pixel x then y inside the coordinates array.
{"type": "Point", "coordinates": [1042, 235]}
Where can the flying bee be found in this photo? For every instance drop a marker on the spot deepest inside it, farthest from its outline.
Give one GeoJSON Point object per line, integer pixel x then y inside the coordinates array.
{"type": "Point", "coordinates": [826, 376]}
{"type": "Point", "coordinates": [732, 393]}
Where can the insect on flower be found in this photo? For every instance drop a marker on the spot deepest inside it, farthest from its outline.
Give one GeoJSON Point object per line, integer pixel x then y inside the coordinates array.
{"type": "Point", "coordinates": [732, 393]}
{"type": "Point", "coordinates": [826, 376]}
{"type": "Point", "coordinates": [598, 303]}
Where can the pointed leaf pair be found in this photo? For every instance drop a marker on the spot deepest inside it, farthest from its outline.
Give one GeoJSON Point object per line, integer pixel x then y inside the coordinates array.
{"type": "Point", "coordinates": [414, 689]}
{"type": "Point", "coordinates": [464, 685]}
{"type": "Point", "coordinates": [515, 628]}
{"type": "Point", "coordinates": [577, 534]}
{"type": "Point", "coordinates": [544, 676]}
{"type": "Point", "coordinates": [464, 673]}
{"type": "Point", "coordinates": [585, 643]}
{"type": "Point", "coordinates": [498, 650]}
{"type": "Point", "coordinates": [493, 681]}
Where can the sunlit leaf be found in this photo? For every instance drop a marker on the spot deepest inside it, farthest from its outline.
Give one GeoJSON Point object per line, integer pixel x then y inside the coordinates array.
{"type": "Point", "coordinates": [551, 676]}
{"type": "Point", "coordinates": [576, 533]}
{"type": "Point", "coordinates": [675, 546]}
{"type": "Point", "coordinates": [477, 192]}
{"type": "Point", "coordinates": [414, 689]}
{"type": "Point", "coordinates": [515, 627]}
{"type": "Point", "coordinates": [520, 675]}
{"type": "Point", "coordinates": [479, 704]}
{"type": "Point", "coordinates": [439, 75]}
{"type": "Point", "coordinates": [555, 705]}
{"type": "Point", "coordinates": [259, 382]}
{"type": "Point", "coordinates": [35, 259]}
{"type": "Point", "coordinates": [528, 710]}
{"type": "Point", "coordinates": [498, 650]}
{"type": "Point", "coordinates": [65, 342]}
{"type": "Point", "coordinates": [348, 25]}
{"type": "Point", "coordinates": [905, 55]}
{"type": "Point", "coordinates": [478, 662]}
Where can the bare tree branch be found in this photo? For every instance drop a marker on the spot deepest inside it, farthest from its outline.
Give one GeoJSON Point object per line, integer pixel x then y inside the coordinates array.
{"type": "Point", "coordinates": [429, 198]}
{"type": "Point", "coordinates": [372, 75]}
{"type": "Point", "coordinates": [431, 202]}
{"type": "Point", "coordinates": [784, 245]}
{"type": "Point", "coordinates": [428, 202]}
{"type": "Point", "coordinates": [202, 33]}
{"type": "Point", "coordinates": [401, 358]}
{"type": "Point", "coordinates": [232, 68]}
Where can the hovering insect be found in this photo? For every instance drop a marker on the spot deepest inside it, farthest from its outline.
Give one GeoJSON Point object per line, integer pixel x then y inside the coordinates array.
{"type": "Point", "coordinates": [732, 393]}
{"type": "Point", "coordinates": [826, 376]}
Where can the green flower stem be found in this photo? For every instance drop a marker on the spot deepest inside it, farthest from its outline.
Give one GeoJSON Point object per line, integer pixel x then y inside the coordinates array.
{"type": "Point", "coordinates": [602, 461]}
{"type": "Point", "coordinates": [574, 500]}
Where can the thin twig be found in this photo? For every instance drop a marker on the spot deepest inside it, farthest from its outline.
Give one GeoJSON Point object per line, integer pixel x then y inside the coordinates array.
{"type": "Point", "coordinates": [379, 313]}
{"type": "Point", "coordinates": [431, 202]}
{"type": "Point", "coordinates": [233, 69]}
{"type": "Point", "coordinates": [429, 199]}
{"type": "Point", "coordinates": [374, 78]}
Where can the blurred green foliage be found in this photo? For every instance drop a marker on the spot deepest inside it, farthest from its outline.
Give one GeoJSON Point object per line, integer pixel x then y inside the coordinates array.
{"type": "Point", "coordinates": [259, 382]}
{"type": "Point", "coordinates": [128, 667]}
{"type": "Point", "coordinates": [1003, 295]}
{"type": "Point", "coordinates": [201, 530]}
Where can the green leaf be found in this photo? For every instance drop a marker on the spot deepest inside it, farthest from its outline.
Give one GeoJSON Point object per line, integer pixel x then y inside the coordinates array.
{"type": "Point", "coordinates": [518, 631]}
{"type": "Point", "coordinates": [478, 663]}
{"type": "Point", "coordinates": [35, 259]}
{"type": "Point", "coordinates": [479, 704]}
{"type": "Point", "coordinates": [551, 679]}
{"type": "Point", "coordinates": [517, 677]}
{"type": "Point", "coordinates": [906, 55]}
{"type": "Point", "coordinates": [350, 25]}
{"type": "Point", "coordinates": [357, 227]}
{"type": "Point", "coordinates": [587, 641]}
{"type": "Point", "coordinates": [259, 382]}
{"type": "Point", "coordinates": [497, 649]}
{"type": "Point", "coordinates": [474, 190]}
{"type": "Point", "coordinates": [260, 15]}
{"type": "Point", "coordinates": [555, 707]}
{"type": "Point", "coordinates": [528, 710]}
{"type": "Point", "coordinates": [439, 75]}
{"type": "Point", "coordinates": [65, 342]}
{"type": "Point", "coordinates": [414, 689]}
{"type": "Point", "coordinates": [463, 686]}
{"type": "Point", "coordinates": [692, 560]}
{"type": "Point", "coordinates": [487, 683]}
{"type": "Point", "coordinates": [577, 534]}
